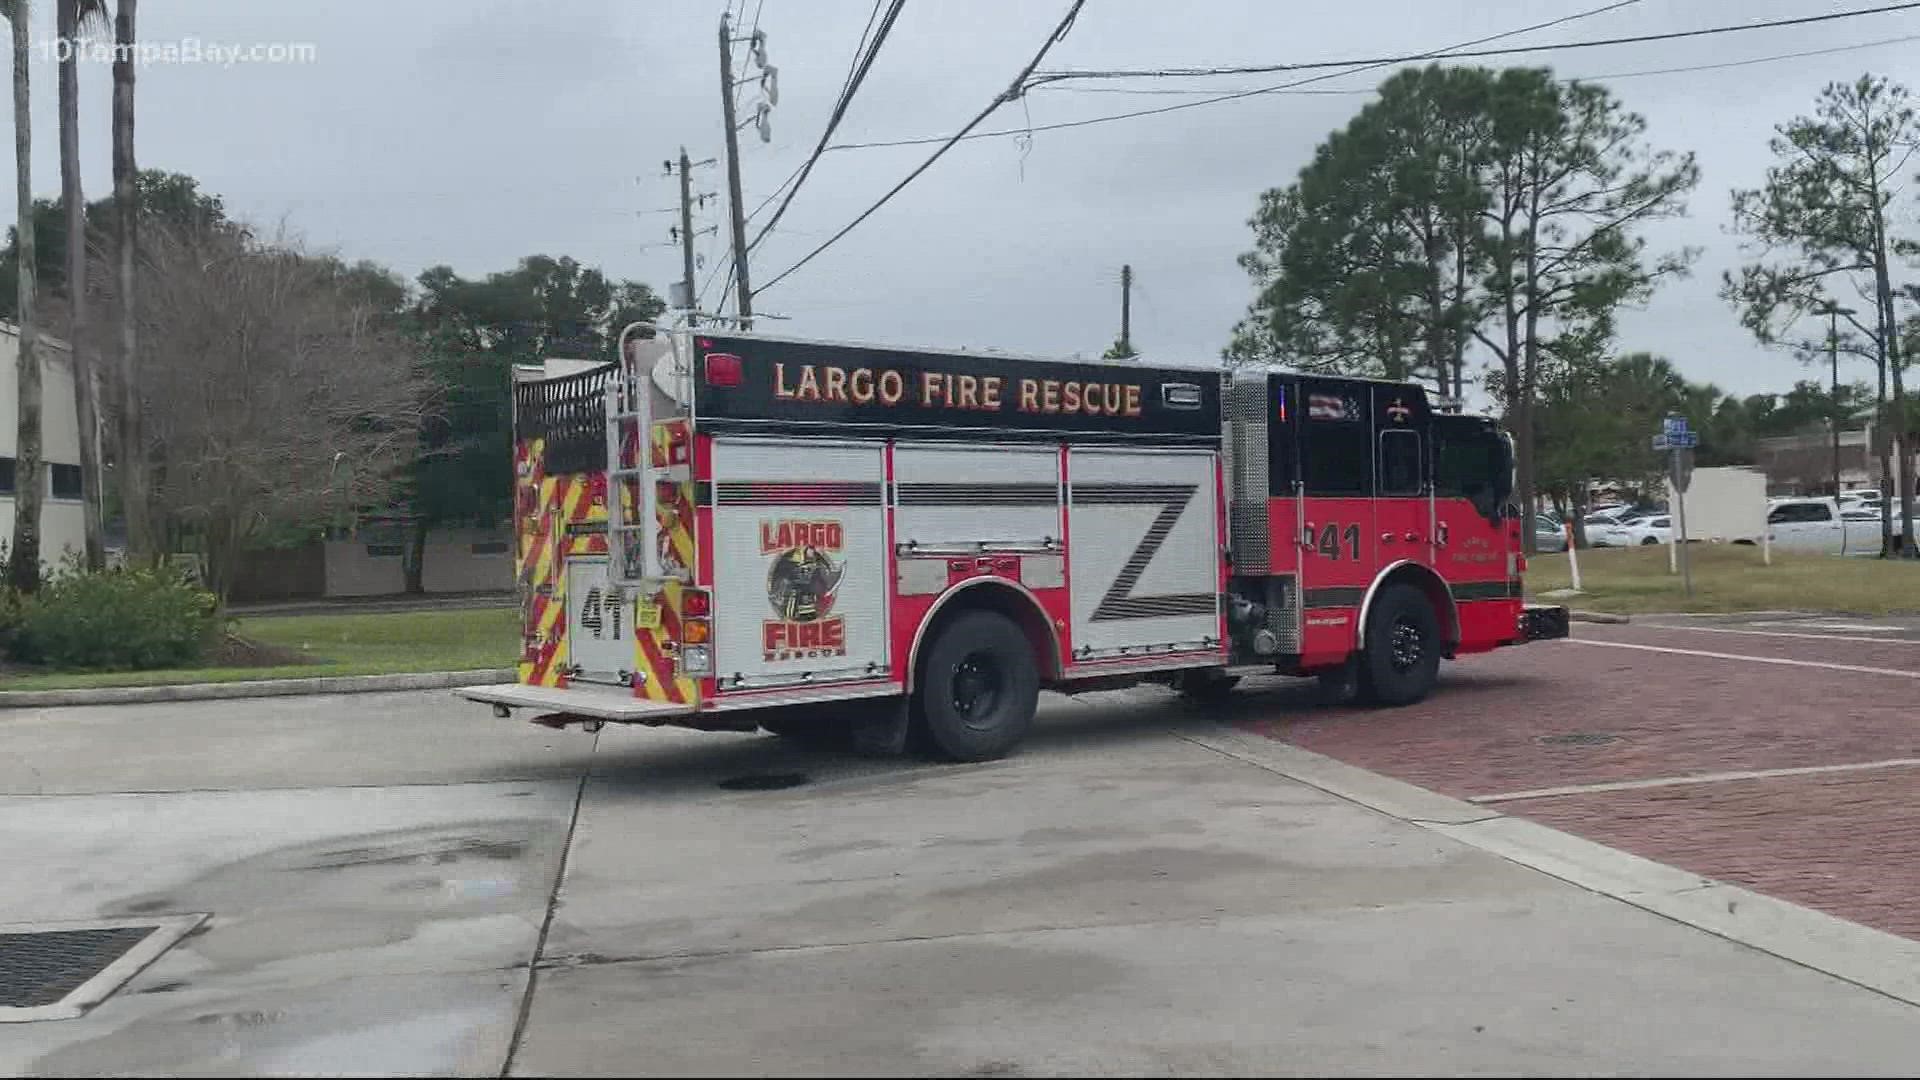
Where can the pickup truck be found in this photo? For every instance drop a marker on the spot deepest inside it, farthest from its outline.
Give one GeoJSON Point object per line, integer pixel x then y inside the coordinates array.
{"type": "Point", "coordinates": [1822, 526]}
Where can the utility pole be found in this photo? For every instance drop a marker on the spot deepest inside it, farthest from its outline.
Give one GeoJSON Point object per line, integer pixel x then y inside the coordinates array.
{"type": "Point", "coordinates": [743, 291]}
{"type": "Point", "coordinates": [1833, 312]}
{"type": "Point", "coordinates": [1126, 309]}
{"type": "Point", "coordinates": [686, 235]}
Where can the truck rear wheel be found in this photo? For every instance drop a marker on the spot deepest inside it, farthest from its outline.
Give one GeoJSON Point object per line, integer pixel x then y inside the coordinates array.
{"type": "Point", "coordinates": [978, 688]}
{"type": "Point", "coordinates": [1401, 661]}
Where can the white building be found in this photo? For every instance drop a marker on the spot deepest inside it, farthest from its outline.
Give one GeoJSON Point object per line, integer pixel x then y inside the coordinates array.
{"type": "Point", "coordinates": [62, 523]}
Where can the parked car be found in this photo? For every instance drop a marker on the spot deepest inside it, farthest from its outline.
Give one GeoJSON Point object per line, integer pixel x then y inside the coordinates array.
{"type": "Point", "coordinates": [1822, 526]}
{"type": "Point", "coordinates": [1648, 530]}
{"type": "Point", "coordinates": [1548, 535]}
{"type": "Point", "coordinates": [1610, 530]}
{"type": "Point", "coordinates": [1860, 495]}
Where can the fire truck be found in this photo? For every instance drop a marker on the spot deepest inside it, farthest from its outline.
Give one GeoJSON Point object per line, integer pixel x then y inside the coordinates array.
{"type": "Point", "coordinates": [730, 530]}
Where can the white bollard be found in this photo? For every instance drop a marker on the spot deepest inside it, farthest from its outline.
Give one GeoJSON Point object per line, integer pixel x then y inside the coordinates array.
{"type": "Point", "coordinates": [1573, 556]}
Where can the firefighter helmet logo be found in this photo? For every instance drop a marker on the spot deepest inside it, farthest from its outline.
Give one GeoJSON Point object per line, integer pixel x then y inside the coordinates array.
{"type": "Point", "coordinates": [801, 584]}
{"type": "Point", "coordinates": [803, 581]}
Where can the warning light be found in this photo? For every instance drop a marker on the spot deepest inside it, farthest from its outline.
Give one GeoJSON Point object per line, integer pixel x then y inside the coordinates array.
{"type": "Point", "coordinates": [696, 631]}
{"type": "Point", "coordinates": [696, 604]}
{"type": "Point", "coordinates": [1280, 401]}
{"type": "Point", "coordinates": [723, 369]}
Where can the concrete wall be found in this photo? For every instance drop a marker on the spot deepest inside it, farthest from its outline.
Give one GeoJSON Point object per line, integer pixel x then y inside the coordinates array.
{"type": "Point", "coordinates": [355, 568]}
{"type": "Point", "coordinates": [62, 521]}
{"type": "Point", "coordinates": [468, 560]}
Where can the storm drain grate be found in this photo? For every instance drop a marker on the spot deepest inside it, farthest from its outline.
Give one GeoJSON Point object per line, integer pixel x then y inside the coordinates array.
{"type": "Point", "coordinates": [57, 971]}
{"type": "Point", "coordinates": [40, 969]}
{"type": "Point", "coordinates": [1579, 738]}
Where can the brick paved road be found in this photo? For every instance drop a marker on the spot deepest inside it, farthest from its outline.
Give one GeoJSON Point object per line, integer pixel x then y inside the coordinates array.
{"type": "Point", "coordinates": [1574, 714]}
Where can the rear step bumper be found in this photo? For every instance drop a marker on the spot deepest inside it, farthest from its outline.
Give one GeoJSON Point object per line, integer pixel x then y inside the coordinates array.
{"type": "Point", "coordinates": [1543, 622]}
{"type": "Point", "coordinates": [589, 703]}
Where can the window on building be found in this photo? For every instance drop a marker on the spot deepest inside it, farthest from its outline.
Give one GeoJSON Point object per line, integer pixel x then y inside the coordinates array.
{"type": "Point", "coordinates": [6, 476]}
{"type": "Point", "coordinates": [1400, 472]}
{"type": "Point", "coordinates": [66, 481]}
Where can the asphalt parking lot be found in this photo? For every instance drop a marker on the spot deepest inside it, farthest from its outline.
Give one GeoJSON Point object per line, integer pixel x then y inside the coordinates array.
{"type": "Point", "coordinates": [401, 884]}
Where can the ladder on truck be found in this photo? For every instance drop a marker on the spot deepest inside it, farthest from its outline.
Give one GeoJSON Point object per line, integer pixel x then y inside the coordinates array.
{"type": "Point", "coordinates": [633, 545]}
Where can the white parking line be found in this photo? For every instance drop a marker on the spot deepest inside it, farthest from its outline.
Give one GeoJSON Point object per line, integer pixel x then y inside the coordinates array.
{"type": "Point", "coordinates": [1697, 778]}
{"type": "Point", "coordinates": [1749, 659]}
{"type": "Point", "coordinates": [1787, 634]}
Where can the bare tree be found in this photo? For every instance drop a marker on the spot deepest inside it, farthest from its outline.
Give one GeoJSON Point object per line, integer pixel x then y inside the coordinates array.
{"type": "Point", "coordinates": [284, 398]}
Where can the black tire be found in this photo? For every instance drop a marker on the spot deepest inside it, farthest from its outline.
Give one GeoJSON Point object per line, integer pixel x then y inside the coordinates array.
{"type": "Point", "coordinates": [1401, 661]}
{"type": "Point", "coordinates": [1206, 687]}
{"type": "Point", "coordinates": [978, 688]}
{"type": "Point", "coordinates": [1648, 540]}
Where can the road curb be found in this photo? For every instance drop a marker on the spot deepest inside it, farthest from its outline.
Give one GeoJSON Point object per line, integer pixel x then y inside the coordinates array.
{"type": "Point", "coordinates": [257, 688]}
{"type": "Point", "coordinates": [1598, 617]}
{"type": "Point", "coordinates": [1872, 959]}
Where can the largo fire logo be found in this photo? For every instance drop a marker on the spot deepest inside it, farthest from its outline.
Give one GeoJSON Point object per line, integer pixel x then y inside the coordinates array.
{"type": "Point", "coordinates": [803, 581]}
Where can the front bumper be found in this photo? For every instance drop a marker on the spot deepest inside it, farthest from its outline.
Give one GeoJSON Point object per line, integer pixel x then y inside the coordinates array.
{"type": "Point", "coordinates": [1544, 622]}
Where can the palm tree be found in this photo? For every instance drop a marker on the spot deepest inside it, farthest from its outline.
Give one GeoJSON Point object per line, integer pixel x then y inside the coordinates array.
{"type": "Point", "coordinates": [132, 456]}
{"type": "Point", "coordinates": [24, 568]}
{"type": "Point", "coordinates": [72, 15]}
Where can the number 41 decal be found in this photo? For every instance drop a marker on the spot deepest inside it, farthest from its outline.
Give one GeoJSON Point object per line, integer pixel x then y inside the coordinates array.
{"type": "Point", "coordinates": [1329, 538]}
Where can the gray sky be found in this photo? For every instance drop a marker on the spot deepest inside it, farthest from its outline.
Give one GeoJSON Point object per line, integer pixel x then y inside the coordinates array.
{"type": "Point", "coordinates": [473, 133]}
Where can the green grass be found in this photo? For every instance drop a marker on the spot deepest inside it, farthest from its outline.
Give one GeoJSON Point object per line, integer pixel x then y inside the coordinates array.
{"type": "Point", "coordinates": [1729, 577]}
{"type": "Point", "coordinates": [465, 639]}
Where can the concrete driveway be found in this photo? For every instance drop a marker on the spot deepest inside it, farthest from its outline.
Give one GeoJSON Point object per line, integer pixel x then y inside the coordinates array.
{"type": "Point", "coordinates": [403, 884]}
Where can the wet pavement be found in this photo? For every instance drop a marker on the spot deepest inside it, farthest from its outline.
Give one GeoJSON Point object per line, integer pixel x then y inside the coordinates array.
{"type": "Point", "coordinates": [402, 884]}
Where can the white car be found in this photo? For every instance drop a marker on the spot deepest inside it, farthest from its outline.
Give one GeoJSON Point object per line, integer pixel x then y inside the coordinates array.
{"type": "Point", "coordinates": [1648, 530]}
{"type": "Point", "coordinates": [1607, 528]}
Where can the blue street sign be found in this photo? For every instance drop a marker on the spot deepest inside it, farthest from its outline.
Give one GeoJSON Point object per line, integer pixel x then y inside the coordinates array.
{"type": "Point", "coordinates": [1676, 425]}
{"type": "Point", "coordinates": [1670, 441]}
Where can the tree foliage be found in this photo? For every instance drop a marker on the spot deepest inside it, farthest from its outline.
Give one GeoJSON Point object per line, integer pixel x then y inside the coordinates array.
{"type": "Point", "coordinates": [1465, 207]}
{"type": "Point", "coordinates": [472, 332]}
{"type": "Point", "coordinates": [1822, 235]}
{"type": "Point", "coordinates": [164, 198]}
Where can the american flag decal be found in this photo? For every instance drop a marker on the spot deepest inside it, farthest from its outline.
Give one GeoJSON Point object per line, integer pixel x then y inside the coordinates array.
{"type": "Point", "coordinates": [1332, 407]}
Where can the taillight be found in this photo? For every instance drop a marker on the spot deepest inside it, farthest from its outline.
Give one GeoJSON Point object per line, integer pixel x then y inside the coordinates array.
{"type": "Point", "coordinates": [696, 604]}
{"type": "Point", "coordinates": [695, 631]}
{"type": "Point", "coordinates": [723, 369]}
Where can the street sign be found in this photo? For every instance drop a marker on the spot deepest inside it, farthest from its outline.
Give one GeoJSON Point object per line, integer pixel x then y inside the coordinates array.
{"type": "Point", "coordinates": [1671, 441]}
{"type": "Point", "coordinates": [1676, 427]}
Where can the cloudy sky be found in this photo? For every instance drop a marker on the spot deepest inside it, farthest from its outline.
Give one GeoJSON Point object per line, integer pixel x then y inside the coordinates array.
{"type": "Point", "coordinates": [478, 131]}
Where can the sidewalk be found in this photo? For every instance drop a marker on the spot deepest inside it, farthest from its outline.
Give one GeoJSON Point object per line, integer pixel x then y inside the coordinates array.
{"type": "Point", "coordinates": [392, 879]}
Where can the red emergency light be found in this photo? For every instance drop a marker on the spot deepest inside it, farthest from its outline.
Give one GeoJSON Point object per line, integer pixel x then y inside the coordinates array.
{"type": "Point", "coordinates": [723, 369]}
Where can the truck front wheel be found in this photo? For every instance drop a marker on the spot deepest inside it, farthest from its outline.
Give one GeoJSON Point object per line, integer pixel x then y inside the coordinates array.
{"type": "Point", "coordinates": [978, 688]}
{"type": "Point", "coordinates": [1401, 661]}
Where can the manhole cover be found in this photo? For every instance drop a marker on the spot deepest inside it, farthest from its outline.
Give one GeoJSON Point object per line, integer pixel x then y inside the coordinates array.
{"type": "Point", "coordinates": [763, 781]}
{"type": "Point", "coordinates": [1579, 738]}
{"type": "Point", "coordinates": [57, 971]}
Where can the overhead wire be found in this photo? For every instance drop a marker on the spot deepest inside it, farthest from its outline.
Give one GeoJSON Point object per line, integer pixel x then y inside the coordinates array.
{"type": "Point", "coordinates": [1440, 53]}
{"type": "Point", "coordinates": [1635, 39]}
{"type": "Point", "coordinates": [1015, 89]}
{"type": "Point", "coordinates": [1192, 91]}
{"type": "Point", "coordinates": [862, 63]}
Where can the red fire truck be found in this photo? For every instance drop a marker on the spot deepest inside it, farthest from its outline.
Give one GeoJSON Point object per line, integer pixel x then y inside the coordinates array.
{"type": "Point", "coordinates": [736, 530]}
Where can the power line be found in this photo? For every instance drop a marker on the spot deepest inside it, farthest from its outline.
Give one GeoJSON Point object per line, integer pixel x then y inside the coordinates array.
{"type": "Point", "coordinates": [1637, 39]}
{"type": "Point", "coordinates": [1189, 91]}
{"type": "Point", "coordinates": [861, 49]}
{"type": "Point", "coordinates": [1014, 90]}
{"type": "Point", "coordinates": [1440, 53]}
{"type": "Point", "coordinates": [863, 63]}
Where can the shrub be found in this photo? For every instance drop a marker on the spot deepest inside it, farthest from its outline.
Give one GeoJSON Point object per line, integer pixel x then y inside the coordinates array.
{"type": "Point", "coordinates": [118, 620]}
